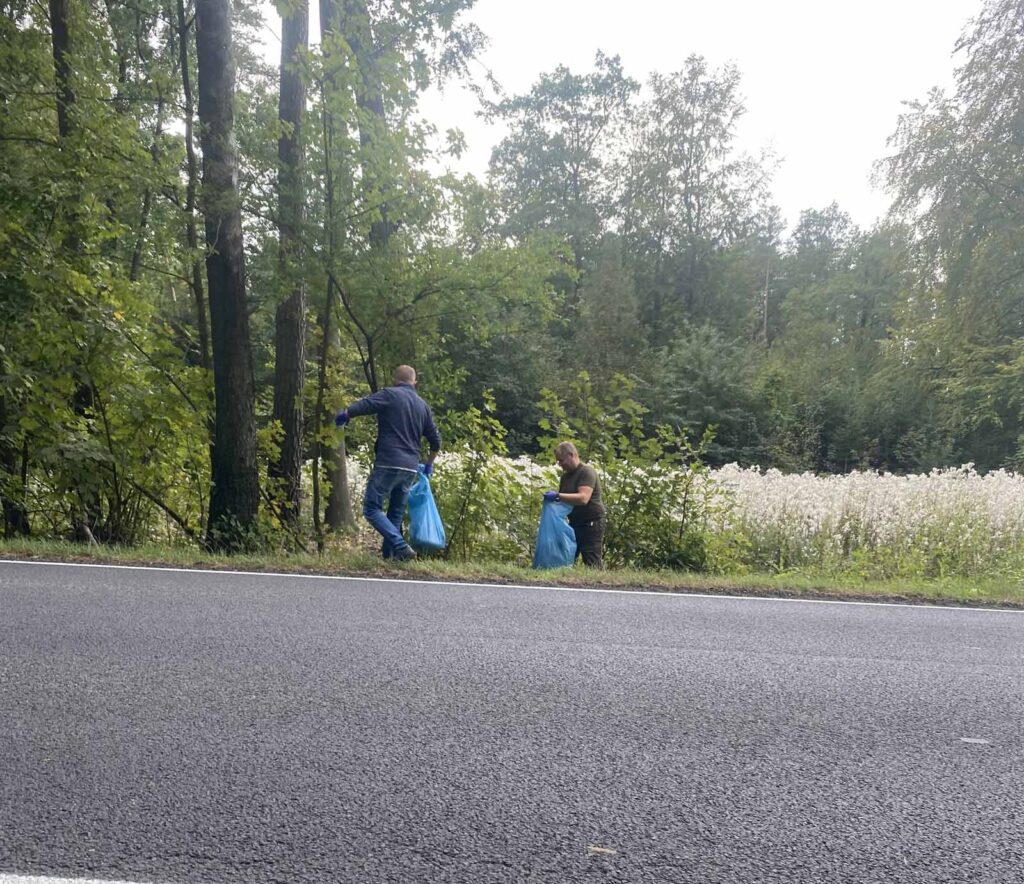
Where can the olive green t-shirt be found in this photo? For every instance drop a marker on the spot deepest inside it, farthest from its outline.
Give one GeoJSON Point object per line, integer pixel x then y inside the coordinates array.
{"type": "Point", "coordinates": [570, 483]}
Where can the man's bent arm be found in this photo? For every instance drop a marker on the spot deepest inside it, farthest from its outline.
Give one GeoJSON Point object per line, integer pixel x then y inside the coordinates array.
{"type": "Point", "coordinates": [577, 498]}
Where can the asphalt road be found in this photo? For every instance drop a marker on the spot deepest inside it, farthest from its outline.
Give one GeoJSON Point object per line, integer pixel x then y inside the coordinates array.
{"type": "Point", "coordinates": [167, 726]}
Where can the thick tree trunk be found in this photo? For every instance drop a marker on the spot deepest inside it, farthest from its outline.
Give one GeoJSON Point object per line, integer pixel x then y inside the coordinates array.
{"type": "Point", "coordinates": [85, 517]}
{"type": "Point", "coordinates": [290, 325]}
{"type": "Point", "coordinates": [235, 498]}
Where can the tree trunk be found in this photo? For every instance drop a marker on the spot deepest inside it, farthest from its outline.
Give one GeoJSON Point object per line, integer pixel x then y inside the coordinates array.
{"type": "Point", "coordinates": [235, 497]}
{"type": "Point", "coordinates": [290, 324]}
{"type": "Point", "coordinates": [192, 172]}
{"type": "Point", "coordinates": [339, 515]}
{"type": "Point", "coordinates": [357, 27]}
{"type": "Point", "coordinates": [85, 518]}
{"type": "Point", "coordinates": [375, 179]}
{"type": "Point", "coordinates": [61, 37]}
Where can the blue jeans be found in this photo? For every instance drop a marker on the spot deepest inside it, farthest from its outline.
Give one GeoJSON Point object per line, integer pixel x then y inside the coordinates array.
{"type": "Point", "coordinates": [392, 485]}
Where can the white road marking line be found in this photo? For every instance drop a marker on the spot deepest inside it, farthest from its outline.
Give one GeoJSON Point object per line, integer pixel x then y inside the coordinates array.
{"type": "Point", "coordinates": [682, 594]}
{"type": "Point", "coordinates": [22, 879]}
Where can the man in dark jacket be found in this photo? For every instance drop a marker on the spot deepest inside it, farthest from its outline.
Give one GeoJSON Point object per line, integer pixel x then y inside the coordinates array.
{"type": "Point", "coordinates": [403, 418]}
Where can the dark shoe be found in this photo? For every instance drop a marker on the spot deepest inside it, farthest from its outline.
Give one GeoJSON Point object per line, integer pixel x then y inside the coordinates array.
{"type": "Point", "coordinates": [404, 554]}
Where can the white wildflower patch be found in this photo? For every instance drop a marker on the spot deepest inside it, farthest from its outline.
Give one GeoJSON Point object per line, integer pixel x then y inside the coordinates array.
{"type": "Point", "coordinates": [947, 522]}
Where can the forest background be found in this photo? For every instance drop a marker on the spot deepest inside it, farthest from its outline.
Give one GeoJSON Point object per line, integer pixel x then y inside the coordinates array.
{"type": "Point", "coordinates": [202, 258]}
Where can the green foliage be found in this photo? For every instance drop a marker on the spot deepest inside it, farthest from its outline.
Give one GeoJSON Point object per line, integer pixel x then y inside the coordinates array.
{"type": "Point", "coordinates": [608, 329]}
{"type": "Point", "coordinates": [687, 194]}
{"type": "Point", "coordinates": [553, 164]}
{"type": "Point", "coordinates": [658, 516]}
{"type": "Point", "coordinates": [704, 380]}
{"type": "Point", "coordinates": [842, 293]}
{"type": "Point", "coordinates": [476, 493]}
{"type": "Point", "coordinates": [954, 171]}
{"type": "Point", "coordinates": [108, 422]}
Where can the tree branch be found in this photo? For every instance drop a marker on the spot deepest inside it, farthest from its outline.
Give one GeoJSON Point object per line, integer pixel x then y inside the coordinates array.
{"type": "Point", "coordinates": [175, 517]}
{"type": "Point", "coordinates": [29, 139]}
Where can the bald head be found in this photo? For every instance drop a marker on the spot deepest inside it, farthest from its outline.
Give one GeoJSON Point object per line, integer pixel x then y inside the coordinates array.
{"type": "Point", "coordinates": [566, 456]}
{"type": "Point", "coordinates": [564, 448]}
{"type": "Point", "coordinates": [405, 374]}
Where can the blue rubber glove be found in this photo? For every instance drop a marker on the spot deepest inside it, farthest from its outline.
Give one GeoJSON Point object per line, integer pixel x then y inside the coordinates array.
{"type": "Point", "coordinates": [341, 418]}
{"type": "Point", "coordinates": [550, 496]}
{"type": "Point", "coordinates": [428, 470]}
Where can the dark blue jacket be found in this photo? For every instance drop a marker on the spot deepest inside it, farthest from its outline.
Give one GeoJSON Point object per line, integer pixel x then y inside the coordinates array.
{"type": "Point", "coordinates": [403, 418]}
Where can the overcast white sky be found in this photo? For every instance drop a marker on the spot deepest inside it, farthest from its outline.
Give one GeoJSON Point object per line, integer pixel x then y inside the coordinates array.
{"type": "Point", "coordinates": [823, 81]}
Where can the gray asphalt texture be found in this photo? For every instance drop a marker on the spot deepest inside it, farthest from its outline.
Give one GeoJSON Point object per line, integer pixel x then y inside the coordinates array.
{"type": "Point", "coordinates": [197, 727]}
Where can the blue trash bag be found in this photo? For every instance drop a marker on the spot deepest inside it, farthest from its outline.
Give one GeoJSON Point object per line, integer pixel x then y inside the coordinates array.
{"type": "Point", "coordinates": [426, 531]}
{"type": "Point", "coordinates": [556, 541]}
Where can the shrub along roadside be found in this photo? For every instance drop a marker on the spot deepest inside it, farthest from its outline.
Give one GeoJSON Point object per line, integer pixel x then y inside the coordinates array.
{"type": "Point", "coordinates": [341, 562]}
{"type": "Point", "coordinates": [870, 533]}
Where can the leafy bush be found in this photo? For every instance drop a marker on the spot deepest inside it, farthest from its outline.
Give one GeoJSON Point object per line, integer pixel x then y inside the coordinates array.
{"type": "Point", "coordinates": [489, 504]}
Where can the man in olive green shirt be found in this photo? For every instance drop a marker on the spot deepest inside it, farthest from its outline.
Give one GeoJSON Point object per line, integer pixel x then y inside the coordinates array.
{"type": "Point", "coordinates": [581, 487]}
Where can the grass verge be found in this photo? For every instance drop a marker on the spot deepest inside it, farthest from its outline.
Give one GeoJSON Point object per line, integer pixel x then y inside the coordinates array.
{"type": "Point", "coordinates": [994, 591]}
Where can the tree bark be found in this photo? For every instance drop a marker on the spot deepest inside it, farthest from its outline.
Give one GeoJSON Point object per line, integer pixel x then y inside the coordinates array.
{"type": "Point", "coordinates": [61, 38]}
{"type": "Point", "coordinates": [85, 517]}
{"type": "Point", "coordinates": [234, 500]}
{"type": "Point", "coordinates": [192, 176]}
{"type": "Point", "coordinates": [339, 515]}
{"type": "Point", "coordinates": [290, 320]}
{"type": "Point", "coordinates": [357, 25]}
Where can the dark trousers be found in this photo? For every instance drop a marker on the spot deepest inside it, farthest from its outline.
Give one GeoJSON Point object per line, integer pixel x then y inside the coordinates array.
{"type": "Point", "coordinates": [590, 542]}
